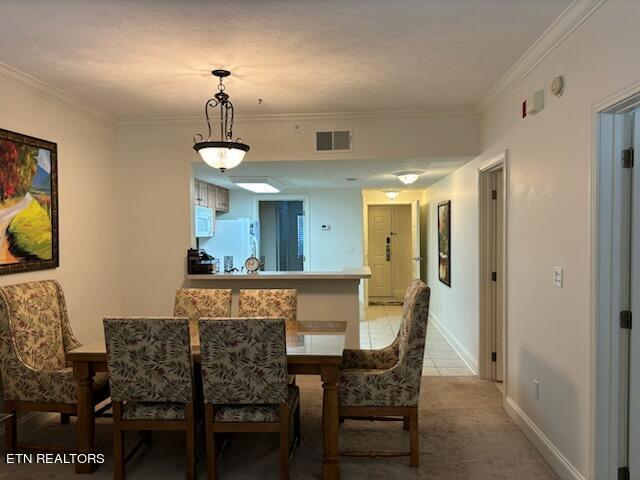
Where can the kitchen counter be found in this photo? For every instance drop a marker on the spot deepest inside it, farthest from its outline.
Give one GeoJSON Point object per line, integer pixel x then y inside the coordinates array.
{"type": "Point", "coordinates": [351, 273]}
{"type": "Point", "coordinates": [322, 295]}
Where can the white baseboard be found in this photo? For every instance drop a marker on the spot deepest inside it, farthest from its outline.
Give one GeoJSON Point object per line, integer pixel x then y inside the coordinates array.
{"type": "Point", "coordinates": [541, 442]}
{"type": "Point", "coordinates": [463, 353]}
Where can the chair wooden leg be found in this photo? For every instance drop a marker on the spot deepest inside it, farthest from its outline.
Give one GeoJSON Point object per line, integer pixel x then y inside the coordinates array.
{"type": "Point", "coordinates": [11, 432]}
{"type": "Point", "coordinates": [64, 418]}
{"type": "Point", "coordinates": [118, 443]}
{"type": "Point", "coordinates": [284, 441]}
{"type": "Point", "coordinates": [297, 424]}
{"type": "Point", "coordinates": [210, 441]}
{"type": "Point", "coordinates": [414, 433]}
{"type": "Point", "coordinates": [190, 447]}
{"type": "Point", "coordinates": [406, 423]}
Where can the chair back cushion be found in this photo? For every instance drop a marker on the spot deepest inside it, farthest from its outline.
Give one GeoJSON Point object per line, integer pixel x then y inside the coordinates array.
{"type": "Point", "coordinates": [413, 331]}
{"type": "Point", "coordinates": [149, 359]}
{"type": "Point", "coordinates": [197, 303]}
{"type": "Point", "coordinates": [34, 317]}
{"type": "Point", "coordinates": [244, 360]}
{"type": "Point", "coordinates": [269, 302]}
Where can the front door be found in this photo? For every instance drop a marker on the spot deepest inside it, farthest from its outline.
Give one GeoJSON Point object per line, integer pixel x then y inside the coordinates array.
{"type": "Point", "coordinates": [380, 284]}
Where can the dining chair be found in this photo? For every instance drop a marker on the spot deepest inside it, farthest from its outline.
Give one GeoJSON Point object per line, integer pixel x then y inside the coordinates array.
{"type": "Point", "coordinates": [197, 303]}
{"type": "Point", "coordinates": [244, 376]}
{"type": "Point", "coordinates": [150, 367]}
{"type": "Point", "coordinates": [35, 335]}
{"type": "Point", "coordinates": [269, 302]}
{"type": "Point", "coordinates": [378, 384]}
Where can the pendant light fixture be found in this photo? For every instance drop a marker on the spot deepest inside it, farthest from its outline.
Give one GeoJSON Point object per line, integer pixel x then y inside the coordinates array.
{"type": "Point", "coordinates": [224, 153]}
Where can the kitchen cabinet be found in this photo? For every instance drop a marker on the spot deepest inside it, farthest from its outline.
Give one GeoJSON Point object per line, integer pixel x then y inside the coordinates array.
{"type": "Point", "coordinates": [222, 199]}
{"type": "Point", "coordinates": [212, 196]}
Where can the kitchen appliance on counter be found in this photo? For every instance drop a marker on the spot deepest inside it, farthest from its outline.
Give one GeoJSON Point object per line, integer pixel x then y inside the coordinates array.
{"type": "Point", "coordinates": [238, 239]}
{"type": "Point", "coordinates": [199, 261]}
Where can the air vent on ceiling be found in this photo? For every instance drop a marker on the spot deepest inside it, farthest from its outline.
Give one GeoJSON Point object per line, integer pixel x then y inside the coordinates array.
{"type": "Point", "coordinates": [333, 141]}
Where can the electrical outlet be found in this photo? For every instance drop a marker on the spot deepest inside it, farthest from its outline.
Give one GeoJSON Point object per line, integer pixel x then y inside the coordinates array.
{"type": "Point", "coordinates": [558, 276]}
{"type": "Point", "coordinates": [536, 389]}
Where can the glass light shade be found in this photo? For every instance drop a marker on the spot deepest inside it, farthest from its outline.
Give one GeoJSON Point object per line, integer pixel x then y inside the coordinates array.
{"type": "Point", "coordinates": [221, 155]}
{"type": "Point", "coordinates": [392, 195]}
{"type": "Point", "coordinates": [408, 178]}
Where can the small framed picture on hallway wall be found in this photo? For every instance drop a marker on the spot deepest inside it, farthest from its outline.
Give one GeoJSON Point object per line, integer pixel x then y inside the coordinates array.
{"type": "Point", "coordinates": [444, 242]}
{"type": "Point", "coordinates": [28, 203]}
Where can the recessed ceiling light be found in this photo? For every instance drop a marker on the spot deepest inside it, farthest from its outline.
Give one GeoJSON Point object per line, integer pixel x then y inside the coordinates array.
{"type": "Point", "coordinates": [257, 184]}
{"type": "Point", "coordinates": [408, 177]}
{"type": "Point", "coordinates": [392, 195]}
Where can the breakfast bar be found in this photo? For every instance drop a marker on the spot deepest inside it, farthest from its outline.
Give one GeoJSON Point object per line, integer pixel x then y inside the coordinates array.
{"type": "Point", "coordinates": [322, 295]}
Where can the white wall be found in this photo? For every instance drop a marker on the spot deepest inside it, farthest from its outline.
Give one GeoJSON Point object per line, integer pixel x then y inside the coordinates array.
{"type": "Point", "coordinates": [549, 156]}
{"type": "Point", "coordinates": [455, 309]}
{"type": "Point", "coordinates": [89, 230]}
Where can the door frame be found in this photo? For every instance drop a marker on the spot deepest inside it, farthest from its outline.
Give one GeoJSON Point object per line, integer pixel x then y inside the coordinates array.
{"type": "Point", "coordinates": [305, 207]}
{"type": "Point", "coordinates": [485, 364]}
{"type": "Point", "coordinates": [365, 234]}
{"type": "Point", "coordinates": [605, 444]}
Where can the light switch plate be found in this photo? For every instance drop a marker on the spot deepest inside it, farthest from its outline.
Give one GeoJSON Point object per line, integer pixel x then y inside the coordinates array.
{"type": "Point", "coordinates": [558, 276]}
{"type": "Point", "coordinates": [325, 227]}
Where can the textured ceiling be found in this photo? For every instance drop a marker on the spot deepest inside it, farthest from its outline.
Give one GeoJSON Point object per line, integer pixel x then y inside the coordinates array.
{"type": "Point", "coordinates": [152, 58]}
{"type": "Point", "coordinates": [373, 174]}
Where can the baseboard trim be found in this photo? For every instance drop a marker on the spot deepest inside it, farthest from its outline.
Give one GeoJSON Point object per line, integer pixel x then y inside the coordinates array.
{"type": "Point", "coordinates": [463, 353]}
{"type": "Point", "coordinates": [541, 442]}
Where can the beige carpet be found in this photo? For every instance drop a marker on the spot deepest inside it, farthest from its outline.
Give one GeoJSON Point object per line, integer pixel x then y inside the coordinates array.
{"type": "Point", "coordinates": [465, 434]}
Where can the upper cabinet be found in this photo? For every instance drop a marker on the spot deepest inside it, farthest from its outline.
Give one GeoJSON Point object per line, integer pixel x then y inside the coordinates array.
{"type": "Point", "coordinates": [212, 196]}
{"type": "Point", "coordinates": [222, 199]}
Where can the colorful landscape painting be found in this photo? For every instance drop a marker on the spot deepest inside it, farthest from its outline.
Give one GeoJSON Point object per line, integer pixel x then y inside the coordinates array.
{"type": "Point", "coordinates": [444, 242]}
{"type": "Point", "coordinates": [28, 203]}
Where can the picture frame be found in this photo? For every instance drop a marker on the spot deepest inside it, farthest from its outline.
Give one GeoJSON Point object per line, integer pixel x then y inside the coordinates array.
{"type": "Point", "coordinates": [444, 242]}
{"type": "Point", "coordinates": [28, 203]}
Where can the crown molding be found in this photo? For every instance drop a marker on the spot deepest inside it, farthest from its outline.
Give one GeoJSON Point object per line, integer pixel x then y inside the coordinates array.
{"type": "Point", "coordinates": [310, 118]}
{"type": "Point", "coordinates": [20, 79]}
{"type": "Point", "coordinates": [569, 20]}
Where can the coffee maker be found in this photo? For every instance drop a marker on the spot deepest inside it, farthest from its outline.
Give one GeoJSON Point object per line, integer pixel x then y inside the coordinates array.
{"type": "Point", "coordinates": [199, 261]}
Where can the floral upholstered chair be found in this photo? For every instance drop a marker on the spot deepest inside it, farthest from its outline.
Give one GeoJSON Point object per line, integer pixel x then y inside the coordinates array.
{"type": "Point", "coordinates": [150, 365]}
{"type": "Point", "coordinates": [386, 382]}
{"type": "Point", "coordinates": [244, 375]}
{"type": "Point", "coordinates": [269, 302]}
{"type": "Point", "coordinates": [34, 337]}
{"type": "Point", "coordinates": [197, 303]}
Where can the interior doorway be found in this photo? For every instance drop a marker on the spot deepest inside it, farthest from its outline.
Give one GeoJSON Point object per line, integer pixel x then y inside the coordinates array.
{"type": "Point", "coordinates": [617, 287]}
{"type": "Point", "coordinates": [389, 254]}
{"type": "Point", "coordinates": [492, 248]}
{"type": "Point", "coordinates": [282, 235]}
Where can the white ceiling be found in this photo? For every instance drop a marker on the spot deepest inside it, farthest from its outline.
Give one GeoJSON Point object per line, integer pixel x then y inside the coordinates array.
{"type": "Point", "coordinates": [150, 58]}
{"type": "Point", "coordinates": [370, 174]}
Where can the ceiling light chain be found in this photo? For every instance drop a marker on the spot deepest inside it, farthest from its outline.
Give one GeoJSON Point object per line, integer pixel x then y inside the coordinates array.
{"type": "Point", "coordinates": [226, 153]}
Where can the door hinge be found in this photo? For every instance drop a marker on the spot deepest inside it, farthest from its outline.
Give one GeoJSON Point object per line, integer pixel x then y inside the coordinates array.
{"type": "Point", "coordinates": [494, 356]}
{"type": "Point", "coordinates": [494, 276]}
{"type": "Point", "coordinates": [494, 194]}
{"type": "Point", "coordinates": [628, 158]}
{"type": "Point", "coordinates": [623, 473]}
{"type": "Point", "coordinates": [625, 320]}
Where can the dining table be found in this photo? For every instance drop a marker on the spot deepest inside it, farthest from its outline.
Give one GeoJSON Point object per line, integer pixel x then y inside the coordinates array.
{"type": "Point", "coordinates": [313, 348]}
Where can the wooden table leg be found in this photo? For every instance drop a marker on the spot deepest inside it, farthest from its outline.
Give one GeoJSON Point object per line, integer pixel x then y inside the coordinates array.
{"type": "Point", "coordinates": [330, 464]}
{"type": "Point", "coordinates": [85, 424]}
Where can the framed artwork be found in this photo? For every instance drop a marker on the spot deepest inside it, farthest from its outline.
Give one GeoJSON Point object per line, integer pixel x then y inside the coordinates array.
{"type": "Point", "coordinates": [444, 242]}
{"type": "Point", "coordinates": [28, 203]}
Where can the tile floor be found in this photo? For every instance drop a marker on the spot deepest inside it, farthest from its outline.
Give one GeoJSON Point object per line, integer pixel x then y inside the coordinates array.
{"type": "Point", "coordinates": [380, 327]}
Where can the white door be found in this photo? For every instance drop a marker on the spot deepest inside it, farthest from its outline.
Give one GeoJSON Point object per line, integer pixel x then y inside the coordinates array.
{"type": "Point", "coordinates": [380, 283]}
{"type": "Point", "coordinates": [497, 207]}
{"type": "Point", "coordinates": [416, 260]}
{"type": "Point", "coordinates": [634, 347]}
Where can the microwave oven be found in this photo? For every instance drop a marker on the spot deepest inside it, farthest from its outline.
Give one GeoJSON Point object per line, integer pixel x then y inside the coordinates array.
{"type": "Point", "coordinates": [203, 221]}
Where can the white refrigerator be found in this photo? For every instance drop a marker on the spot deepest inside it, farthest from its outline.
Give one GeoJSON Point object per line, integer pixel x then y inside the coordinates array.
{"type": "Point", "coordinates": [239, 239]}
